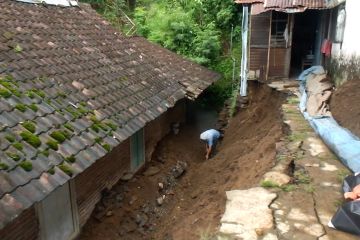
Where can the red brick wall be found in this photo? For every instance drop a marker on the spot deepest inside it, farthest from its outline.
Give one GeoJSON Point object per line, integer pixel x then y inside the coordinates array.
{"type": "Point", "coordinates": [104, 173]}
{"type": "Point", "coordinates": [158, 128]}
{"type": "Point", "coordinates": [25, 227]}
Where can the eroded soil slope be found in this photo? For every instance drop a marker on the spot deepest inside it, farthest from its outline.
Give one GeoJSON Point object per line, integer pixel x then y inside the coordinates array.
{"type": "Point", "coordinates": [193, 204]}
{"type": "Point", "coordinates": [345, 106]}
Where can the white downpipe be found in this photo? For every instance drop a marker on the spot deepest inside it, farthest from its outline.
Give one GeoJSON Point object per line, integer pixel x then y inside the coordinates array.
{"type": "Point", "coordinates": [244, 57]}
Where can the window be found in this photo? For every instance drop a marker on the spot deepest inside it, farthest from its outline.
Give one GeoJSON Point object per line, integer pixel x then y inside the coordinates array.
{"type": "Point", "coordinates": [137, 150]}
{"type": "Point", "coordinates": [340, 25]}
{"type": "Point", "coordinates": [279, 29]}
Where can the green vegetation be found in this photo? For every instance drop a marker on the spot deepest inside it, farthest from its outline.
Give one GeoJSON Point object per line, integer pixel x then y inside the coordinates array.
{"type": "Point", "coordinates": [71, 159]}
{"type": "Point", "coordinates": [18, 48]}
{"type": "Point", "coordinates": [51, 171]}
{"type": "Point", "coordinates": [98, 140]}
{"type": "Point", "coordinates": [73, 111]}
{"type": "Point", "coordinates": [10, 138]}
{"type": "Point", "coordinates": [268, 184]}
{"type": "Point", "coordinates": [44, 152]}
{"type": "Point", "coordinates": [95, 127]}
{"type": "Point", "coordinates": [18, 146]}
{"type": "Point", "coordinates": [342, 174]}
{"type": "Point", "coordinates": [69, 127]}
{"type": "Point", "coordinates": [3, 166]}
{"type": "Point", "coordinates": [31, 139]}
{"type": "Point", "coordinates": [30, 126]}
{"type": "Point", "coordinates": [309, 188]}
{"type": "Point", "coordinates": [66, 169]}
{"type": "Point", "coordinates": [106, 146]}
{"type": "Point", "coordinates": [13, 156]}
{"type": "Point", "coordinates": [52, 144]}
{"type": "Point", "coordinates": [199, 30]}
{"type": "Point", "coordinates": [288, 187]}
{"type": "Point", "coordinates": [302, 177]}
{"type": "Point", "coordinates": [26, 165]}
{"type": "Point", "coordinates": [58, 136]}
{"type": "Point", "coordinates": [33, 107]}
{"type": "Point", "coordinates": [5, 93]}
{"type": "Point", "coordinates": [293, 100]}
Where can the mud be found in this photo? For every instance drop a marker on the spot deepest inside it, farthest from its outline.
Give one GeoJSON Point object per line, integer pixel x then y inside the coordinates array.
{"type": "Point", "coordinates": [345, 106]}
{"type": "Point", "coordinates": [191, 205]}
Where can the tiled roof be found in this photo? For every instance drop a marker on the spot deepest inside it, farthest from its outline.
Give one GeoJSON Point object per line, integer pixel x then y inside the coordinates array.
{"type": "Point", "coordinates": [72, 88]}
{"type": "Point", "coordinates": [194, 77]}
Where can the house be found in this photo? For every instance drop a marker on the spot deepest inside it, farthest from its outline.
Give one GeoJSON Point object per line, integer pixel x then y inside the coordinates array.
{"type": "Point", "coordinates": [80, 105]}
{"type": "Point", "coordinates": [288, 36]}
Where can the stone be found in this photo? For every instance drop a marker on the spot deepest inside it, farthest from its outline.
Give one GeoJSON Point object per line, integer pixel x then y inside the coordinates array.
{"type": "Point", "coordinates": [179, 169]}
{"type": "Point", "coordinates": [132, 200]}
{"type": "Point", "coordinates": [141, 219]}
{"type": "Point", "coordinates": [246, 211]}
{"type": "Point", "coordinates": [109, 213]}
{"type": "Point", "coordinates": [277, 177]}
{"type": "Point", "coordinates": [119, 197]}
{"type": "Point", "coordinates": [161, 186]}
{"type": "Point", "coordinates": [151, 171]}
{"type": "Point", "coordinates": [160, 201]}
{"type": "Point", "coordinates": [126, 177]}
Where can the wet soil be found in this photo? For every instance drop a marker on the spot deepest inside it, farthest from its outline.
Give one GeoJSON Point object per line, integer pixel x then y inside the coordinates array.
{"type": "Point", "coordinates": [193, 204]}
{"type": "Point", "coordinates": [345, 106]}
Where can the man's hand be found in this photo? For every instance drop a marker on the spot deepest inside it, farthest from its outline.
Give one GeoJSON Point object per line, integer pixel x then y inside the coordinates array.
{"type": "Point", "coordinates": [207, 156]}
{"type": "Point", "coordinates": [350, 196]}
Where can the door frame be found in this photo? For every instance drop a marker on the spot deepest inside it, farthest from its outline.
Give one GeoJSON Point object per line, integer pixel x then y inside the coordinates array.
{"type": "Point", "coordinates": [132, 167]}
{"type": "Point", "coordinates": [74, 211]}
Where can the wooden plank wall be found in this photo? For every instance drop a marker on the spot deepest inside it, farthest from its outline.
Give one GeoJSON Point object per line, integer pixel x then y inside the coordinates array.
{"type": "Point", "coordinates": [24, 227]}
{"type": "Point", "coordinates": [259, 42]}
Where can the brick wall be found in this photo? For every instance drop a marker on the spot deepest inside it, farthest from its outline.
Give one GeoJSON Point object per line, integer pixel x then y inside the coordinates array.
{"type": "Point", "coordinates": [25, 227]}
{"type": "Point", "coordinates": [158, 128]}
{"type": "Point", "coordinates": [104, 173]}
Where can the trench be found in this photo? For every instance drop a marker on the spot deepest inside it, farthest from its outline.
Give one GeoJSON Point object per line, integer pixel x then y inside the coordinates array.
{"type": "Point", "coordinates": [161, 206]}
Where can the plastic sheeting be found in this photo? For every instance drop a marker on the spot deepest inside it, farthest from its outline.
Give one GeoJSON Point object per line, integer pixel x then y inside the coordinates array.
{"type": "Point", "coordinates": [340, 140]}
{"type": "Point", "coordinates": [347, 217]}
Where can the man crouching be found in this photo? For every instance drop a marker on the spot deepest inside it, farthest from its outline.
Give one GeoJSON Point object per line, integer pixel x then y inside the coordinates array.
{"type": "Point", "coordinates": [210, 137]}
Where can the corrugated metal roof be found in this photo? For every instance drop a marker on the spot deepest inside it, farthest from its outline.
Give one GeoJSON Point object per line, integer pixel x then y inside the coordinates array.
{"type": "Point", "coordinates": [289, 6]}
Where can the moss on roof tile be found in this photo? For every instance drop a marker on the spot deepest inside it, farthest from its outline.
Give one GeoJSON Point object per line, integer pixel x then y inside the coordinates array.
{"type": "Point", "coordinates": [31, 139]}
{"type": "Point", "coordinates": [26, 165]}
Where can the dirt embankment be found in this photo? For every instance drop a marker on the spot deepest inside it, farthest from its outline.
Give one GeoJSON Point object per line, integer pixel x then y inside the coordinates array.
{"type": "Point", "coordinates": [345, 106]}
{"type": "Point", "coordinates": [193, 204]}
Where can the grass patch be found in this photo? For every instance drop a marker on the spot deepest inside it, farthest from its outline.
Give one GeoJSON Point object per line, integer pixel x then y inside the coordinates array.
{"type": "Point", "coordinates": [342, 174]}
{"type": "Point", "coordinates": [5, 93]}
{"type": "Point", "coordinates": [107, 147]}
{"type": "Point", "coordinates": [53, 145]}
{"type": "Point", "coordinates": [268, 184]}
{"type": "Point", "coordinates": [21, 107]}
{"type": "Point", "coordinates": [69, 127]}
{"type": "Point", "coordinates": [111, 125]}
{"type": "Point", "coordinates": [10, 138]}
{"type": "Point", "coordinates": [95, 127]}
{"type": "Point", "coordinates": [18, 146]}
{"type": "Point", "coordinates": [288, 187]}
{"type": "Point", "coordinates": [98, 140]}
{"type": "Point", "coordinates": [31, 139]}
{"type": "Point", "coordinates": [13, 156]}
{"type": "Point", "coordinates": [18, 48]}
{"type": "Point", "coordinates": [58, 136]}
{"type": "Point", "coordinates": [296, 137]}
{"type": "Point", "coordinates": [26, 165]}
{"type": "Point", "coordinates": [302, 177]}
{"type": "Point", "coordinates": [293, 100]}
{"type": "Point", "coordinates": [71, 159]}
{"type": "Point", "coordinates": [3, 166]}
{"type": "Point", "coordinates": [33, 107]}
{"type": "Point", "coordinates": [45, 152]}
{"type": "Point", "coordinates": [309, 188]}
{"type": "Point", "coordinates": [51, 171]}
{"type": "Point", "coordinates": [66, 169]}
{"type": "Point", "coordinates": [30, 126]}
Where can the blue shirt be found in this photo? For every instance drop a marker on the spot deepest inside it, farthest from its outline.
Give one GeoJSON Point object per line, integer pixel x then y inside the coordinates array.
{"type": "Point", "coordinates": [210, 136]}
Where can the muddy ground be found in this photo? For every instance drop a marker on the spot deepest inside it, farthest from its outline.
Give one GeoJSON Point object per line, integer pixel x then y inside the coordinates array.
{"type": "Point", "coordinates": [190, 206]}
{"type": "Point", "coordinates": [345, 105]}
